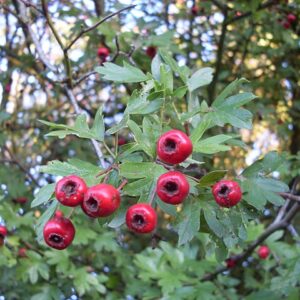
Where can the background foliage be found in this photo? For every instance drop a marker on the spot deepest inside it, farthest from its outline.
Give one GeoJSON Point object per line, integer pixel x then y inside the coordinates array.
{"type": "Point", "coordinates": [200, 68]}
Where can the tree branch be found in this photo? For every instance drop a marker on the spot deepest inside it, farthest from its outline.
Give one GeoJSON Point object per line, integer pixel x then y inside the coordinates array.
{"type": "Point", "coordinates": [96, 25]}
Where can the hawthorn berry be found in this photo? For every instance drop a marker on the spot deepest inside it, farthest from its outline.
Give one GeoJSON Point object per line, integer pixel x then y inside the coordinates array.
{"type": "Point", "coordinates": [121, 141]}
{"type": "Point", "coordinates": [174, 147]}
{"type": "Point", "coordinates": [141, 218]}
{"type": "Point", "coordinates": [3, 232]}
{"type": "Point", "coordinates": [21, 200]}
{"type": "Point", "coordinates": [151, 51]}
{"type": "Point", "coordinates": [103, 53]}
{"type": "Point", "coordinates": [291, 18]}
{"type": "Point", "coordinates": [230, 263]}
{"type": "Point", "coordinates": [172, 187]}
{"type": "Point", "coordinates": [59, 232]}
{"type": "Point", "coordinates": [227, 193]}
{"type": "Point", "coordinates": [22, 252]}
{"type": "Point", "coordinates": [101, 200]}
{"type": "Point", "coordinates": [286, 24]}
{"type": "Point", "coordinates": [195, 10]}
{"type": "Point", "coordinates": [70, 190]}
{"type": "Point", "coordinates": [263, 252]}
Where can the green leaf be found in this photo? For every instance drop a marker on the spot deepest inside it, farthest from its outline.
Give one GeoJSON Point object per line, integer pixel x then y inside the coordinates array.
{"type": "Point", "coordinates": [127, 73]}
{"type": "Point", "coordinates": [211, 178]}
{"type": "Point", "coordinates": [270, 163]}
{"type": "Point", "coordinates": [43, 195]}
{"type": "Point", "coordinates": [237, 100]}
{"type": "Point", "coordinates": [166, 77]}
{"type": "Point", "coordinates": [73, 166]}
{"type": "Point", "coordinates": [230, 89]}
{"type": "Point", "coordinates": [167, 208]}
{"type": "Point", "coordinates": [200, 78]}
{"type": "Point", "coordinates": [212, 144]}
{"type": "Point", "coordinates": [136, 170]}
{"type": "Point", "coordinates": [180, 92]}
{"type": "Point", "coordinates": [155, 67]}
{"type": "Point", "coordinates": [188, 223]}
{"type": "Point", "coordinates": [173, 64]}
{"type": "Point", "coordinates": [214, 224]}
{"type": "Point", "coordinates": [199, 130]}
{"type": "Point", "coordinates": [98, 126]}
{"type": "Point", "coordinates": [44, 219]}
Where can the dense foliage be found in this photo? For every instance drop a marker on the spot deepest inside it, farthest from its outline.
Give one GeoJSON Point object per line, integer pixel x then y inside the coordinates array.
{"type": "Point", "coordinates": [88, 87]}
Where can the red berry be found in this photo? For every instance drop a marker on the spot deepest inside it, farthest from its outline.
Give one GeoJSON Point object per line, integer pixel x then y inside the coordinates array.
{"type": "Point", "coordinates": [21, 200]}
{"type": "Point", "coordinates": [3, 231]}
{"type": "Point", "coordinates": [22, 252]}
{"type": "Point", "coordinates": [151, 51]}
{"type": "Point", "coordinates": [103, 53]}
{"type": "Point", "coordinates": [230, 263]}
{"type": "Point", "coordinates": [7, 88]}
{"type": "Point", "coordinates": [291, 18]}
{"type": "Point", "coordinates": [263, 252]}
{"type": "Point", "coordinates": [195, 10]}
{"type": "Point", "coordinates": [286, 25]}
{"type": "Point", "coordinates": [172, 187]}
{"type": "Point", "coordinates": [227, 193]}
{"type": "Point", "coordinates": [101, 200]}
{"type": "Point", "coordinates": [70, 190]}
{"type": "Point", "coordinates": [141, 218]}
{"type": "Point", "coordinates": [174, 147]}
{"type": "Point", "coordinates": [121, 141]}
{"type": "Point", "coordinates": [59, 232]}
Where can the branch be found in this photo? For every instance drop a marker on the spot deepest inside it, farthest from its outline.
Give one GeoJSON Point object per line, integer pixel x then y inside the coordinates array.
{"type": "Point", "coordinates": [24, 19]}
{"type": "Point", "coordinates": [96, 25]}
{"type": "Point", "coordinates": [78, 111]}
{"type": "Point", "coordinates": [249, 13]}
{"type": "Point", "coordinates": [221, 43]}
{"type": "Point", "coordinates": [276, 225]}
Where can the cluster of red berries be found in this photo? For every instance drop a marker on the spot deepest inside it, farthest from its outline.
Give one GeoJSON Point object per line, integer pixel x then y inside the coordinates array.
{"type": "Point", "coordinates": [103, 53]}
{"type": "Point", "coordinates": [288, 21]}
{"type": "Point", "coordinates": [102, 200]}
{"type": "Point", "coordinates": [263, 253]}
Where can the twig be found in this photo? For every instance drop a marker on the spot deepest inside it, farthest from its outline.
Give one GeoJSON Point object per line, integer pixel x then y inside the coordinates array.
{"type": "Point", "coordinates": [96, 25]}
{"type": "Point", "coordinates": [29, 4]}
{"type": "Point", "coordinates": [85, 76]}
{"type": "Point", "coordinates": [282, 224]}
{"type": "Point", "coordinates": [123, 183]}
{"type": "Point", "coordinates": [290, 196]}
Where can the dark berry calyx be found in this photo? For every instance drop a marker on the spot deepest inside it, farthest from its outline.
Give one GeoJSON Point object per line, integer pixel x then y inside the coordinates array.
{"type": "Point", "coordinates": [170, 145]}
{"type": "Point", "coordinates": [224, 191]}
{"type": "Point", "coordinates": [92, 204]}
{"type": "Point", "coordinates": [69, 188]}
{"type": "Point", "coordinates": [171, 187]}
{"type": "Point", "coordinates": [138, 221]}
{"type": "Point", "coordinates": [55, 238]}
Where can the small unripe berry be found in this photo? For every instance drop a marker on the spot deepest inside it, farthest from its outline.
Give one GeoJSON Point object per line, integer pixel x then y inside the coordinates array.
{"type": "Point", "coordinates": [101, 200]}
{"type": "Point", "coordinates": [151, 51]}
{"type": "Point", "coordinates": [70, 190]}
{"type": "Point", "coordinates": [227, 193]}
{"type": "Point", "coordinates": [172, 187]}
{"type": "Point", "coordinates": [174, 147]}
{"type": "Point", "coordinates": [263, 252]}
{"type": "Point", "coordinates": [59, 232]}
{"type": "Point", "coordinates": [141, 218]}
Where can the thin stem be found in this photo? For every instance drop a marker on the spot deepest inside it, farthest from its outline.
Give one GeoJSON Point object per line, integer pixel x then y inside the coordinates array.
{"type": "Point", "coordinates": [123, 183]}
{"type": "Point", "coordinates": [96, 25]}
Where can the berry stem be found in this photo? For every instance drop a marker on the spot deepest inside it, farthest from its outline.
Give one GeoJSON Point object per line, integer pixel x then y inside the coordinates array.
{"type": "Point", "coordinates": [152, 195]}
{"type": "Point", "coordinates": [123, 183]}
{"type": "Point", "coordinates": [107, 170]}
{"type": "Point", "coordinates": [71, 213]}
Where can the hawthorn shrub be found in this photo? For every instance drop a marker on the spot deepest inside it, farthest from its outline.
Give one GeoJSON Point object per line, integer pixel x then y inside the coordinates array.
{"type": "Point", "coordinates": [154, 212]}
